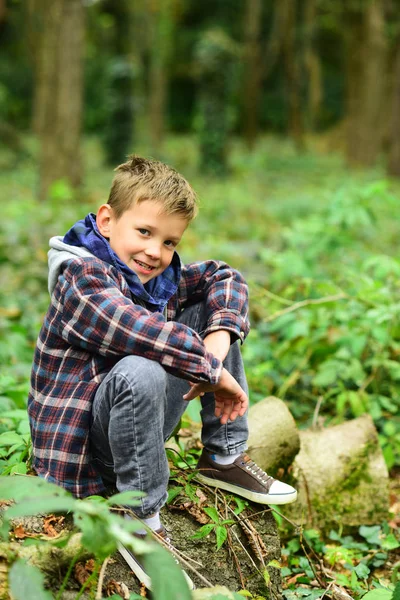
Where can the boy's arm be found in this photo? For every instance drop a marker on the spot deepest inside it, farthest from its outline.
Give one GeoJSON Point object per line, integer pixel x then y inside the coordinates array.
{"type": "Point", "coordinates": [97, 317]}
{"type": "Point", "coordinates": [225, 293]}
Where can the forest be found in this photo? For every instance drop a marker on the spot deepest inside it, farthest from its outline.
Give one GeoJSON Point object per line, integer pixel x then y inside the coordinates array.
{"type": "Point", "coordinates": [284, 115]}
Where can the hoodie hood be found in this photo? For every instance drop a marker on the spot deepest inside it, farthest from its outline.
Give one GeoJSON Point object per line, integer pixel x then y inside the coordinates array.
{"type": "Point", "coordinates": [58, 254]}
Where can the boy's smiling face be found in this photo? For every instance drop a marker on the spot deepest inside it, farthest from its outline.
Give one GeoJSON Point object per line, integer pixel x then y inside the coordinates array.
{"type": "Point", "coordinates": [144, 237]}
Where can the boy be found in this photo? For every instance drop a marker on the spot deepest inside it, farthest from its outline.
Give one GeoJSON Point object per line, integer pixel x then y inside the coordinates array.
{"type": "Point", "coordinates": [130, 336]}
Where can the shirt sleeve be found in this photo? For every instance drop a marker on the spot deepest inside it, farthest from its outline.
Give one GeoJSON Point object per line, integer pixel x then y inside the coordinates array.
{"type": "Point", "coordinates": [99, 318]}
{"type": "Point", "coordinates": [224, 292]}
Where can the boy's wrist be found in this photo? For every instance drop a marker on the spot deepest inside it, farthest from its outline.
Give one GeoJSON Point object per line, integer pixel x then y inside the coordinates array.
{"type": "Point", "coordinates": [218, 343]}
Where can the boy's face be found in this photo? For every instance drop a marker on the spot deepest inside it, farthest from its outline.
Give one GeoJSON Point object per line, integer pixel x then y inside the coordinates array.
{"type": "Point", "coordinates": [144, 237]}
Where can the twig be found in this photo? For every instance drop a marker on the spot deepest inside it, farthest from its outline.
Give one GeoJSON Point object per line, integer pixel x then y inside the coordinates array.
{"type": "Point", "coordinates": [273, 296]}
{"type": "Point", "coordinates": [296, 526]}
{"type": "Point", "coordinates": [246, 551]}
{"type": "Point", "coordinates": [99, 594]}
{"type": "Point", "coordinates": [303, 303]}
{"type": "Point", "coordinates": [316, 411]}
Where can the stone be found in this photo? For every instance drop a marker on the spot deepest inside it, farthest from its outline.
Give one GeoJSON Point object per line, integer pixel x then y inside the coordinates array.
{"type": "Point", "coordinates": [341, 476]}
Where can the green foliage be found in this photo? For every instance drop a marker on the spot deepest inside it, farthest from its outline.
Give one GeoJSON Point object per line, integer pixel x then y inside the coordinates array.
{"type": "Point", "coordinates": [328, 325]}
{"type": "Point", "coordinates": [26, 581]}
{"type": "Point", "coordinates": [101, 529]}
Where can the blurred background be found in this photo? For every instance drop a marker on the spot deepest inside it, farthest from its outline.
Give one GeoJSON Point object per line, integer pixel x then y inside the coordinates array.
{"type": "Point", "coordinates": [285, 117]}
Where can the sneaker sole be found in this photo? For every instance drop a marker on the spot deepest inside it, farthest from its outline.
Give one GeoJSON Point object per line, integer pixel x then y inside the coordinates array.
{"type": "Point", "coordinates": [277, 499]}
{"type": "Point", "coordinates": [135, 567]}
{"type": "Point", "coordinates": [141, 574]}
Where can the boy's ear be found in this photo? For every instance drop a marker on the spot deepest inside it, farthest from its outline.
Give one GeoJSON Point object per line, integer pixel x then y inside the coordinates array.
{"type": "Point", "coordinates": [103, 218]}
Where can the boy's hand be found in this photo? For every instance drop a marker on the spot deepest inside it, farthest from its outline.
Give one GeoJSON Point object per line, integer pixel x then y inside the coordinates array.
{"type": "Point", "coordinates": [231, 400]}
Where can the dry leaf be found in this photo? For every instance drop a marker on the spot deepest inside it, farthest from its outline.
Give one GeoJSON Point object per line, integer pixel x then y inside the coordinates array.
{"type": "Point", "coordinates": [117, 587]}
{"type": "Point", "coordinates": [49, 525]}
{"type": "Point", "coordinates": [83, 570]}
{"type": "Point", "coordinates": [143, 591]}
{"type": "Point", "coordinates": [198, 514]}
{"type": "Point", "coordinates": [201, 495]}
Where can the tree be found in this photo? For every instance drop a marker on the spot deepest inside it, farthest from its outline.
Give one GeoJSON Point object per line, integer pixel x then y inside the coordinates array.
{"type": "Point", "coordinates": [291, 64]}
{"type": "Point", "coordinates": [365, 80]}
{"type": "Point", "coordinates": [312, 65]}
{"type": "Point", "coordinates": [120, 77]}
{"type": "Point", "coordinates": [163, 26]}
{"type": "Point", "coordinates": [252, 71]}
{"type": "Point", "coordinates": [59, 34]}
{"type": "Point", "coordinates": [394, 149]}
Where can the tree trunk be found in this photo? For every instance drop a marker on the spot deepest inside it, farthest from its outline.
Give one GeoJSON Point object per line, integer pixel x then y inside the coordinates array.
{"type": "Point", "coordinates": [292, 74]}
{"type": "Point", "coordinates": [252, 71]}
{"type": "Point", "coordinates": [58, 94]}
{"type": "Point", "coordinates": [394, 150]}
{"type": "Point", "coordinates": [366, 62]}
{"type": "Point", "coordinates": [163, 29]}
{"type": "Point", "coordinates": [312, 66]}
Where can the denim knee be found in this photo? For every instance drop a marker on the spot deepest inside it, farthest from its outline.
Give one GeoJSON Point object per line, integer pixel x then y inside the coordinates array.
{"type": "Point", "coordinates": [146, 378]}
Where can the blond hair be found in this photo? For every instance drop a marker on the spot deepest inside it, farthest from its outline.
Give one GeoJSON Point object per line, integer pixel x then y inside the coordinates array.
{"type": "Point", "coordinates": [141, 179]}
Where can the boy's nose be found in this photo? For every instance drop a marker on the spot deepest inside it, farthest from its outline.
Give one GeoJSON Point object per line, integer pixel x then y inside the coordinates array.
{"type": "Point", "coordinates": [154, 251]}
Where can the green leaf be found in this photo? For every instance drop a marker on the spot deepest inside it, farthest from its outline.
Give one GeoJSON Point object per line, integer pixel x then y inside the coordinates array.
{"type": "Point", "coordinates": [26, 581]}
{"type": "Point", "coordinates": [371, 534]}
{"type": "Point", "coordinates": [203, 531]}
{"type": "Point", "coordinates": [167, 579]}
{"type": "Point", "coordinates": [212, 513]}
{"type": "Point", "coordinates": [379, 594]}
{"type": "Point", "coordinates": [130, 498]}
{"type": "Point", "coordinates": [19, 487]}
{"type": "Point", "coordinates": [274, 563]}
{"type": "Point", "coordinates": [241, 505]}
{"type": "Point", "coordinates": [9, 438]}
{"type": "Point", "coordinates": [362, 570]}
{"type": "Point", "coordinates": [41, 505]}
{"type": "Point", "coordinates": [173, 492]}
{"type": "Point", "coordinates": [221, 534]}
{"type": "Point", "coordinates": [19, 468]}
{"type": "Point", "coordinates": [267, 577]}
{"type": "Point", "coordinates": [390, 542]}
{"type": "Point", "coordinates": [396, 593]}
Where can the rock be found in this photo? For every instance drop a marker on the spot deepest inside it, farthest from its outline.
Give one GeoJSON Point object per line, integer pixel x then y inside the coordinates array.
{"type": "Point", "coordinates": [253, 543]}
{"type": "Point", "coordinates": [274, 439]}
{"type": "Point", "coordinates": [341, 477]}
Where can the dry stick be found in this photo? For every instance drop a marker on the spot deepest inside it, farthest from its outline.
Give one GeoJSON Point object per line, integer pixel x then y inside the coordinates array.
{"type": "Point", "coordinates": [316, 411]}
{"type": "Point", "coordinates": [101, 578]}
{"type": "Point", "coordinates": [273, 296]}
{"type": "Point", "coordinates": [303, 303]}
{"type": "Point", "coordinates": [235, 558]}
{"type": "Point", "coordinates": [231, 548]}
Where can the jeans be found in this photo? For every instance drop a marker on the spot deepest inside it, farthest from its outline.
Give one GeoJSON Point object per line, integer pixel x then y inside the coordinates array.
{"type": "Point", "coordinates": [135, 410]}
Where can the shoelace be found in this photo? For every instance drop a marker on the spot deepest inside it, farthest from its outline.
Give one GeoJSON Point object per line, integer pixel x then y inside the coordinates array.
{"type": "Point", "coordinates": [256, 470]}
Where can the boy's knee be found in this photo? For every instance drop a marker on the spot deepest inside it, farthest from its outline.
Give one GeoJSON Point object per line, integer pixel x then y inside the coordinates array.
{"type": "Point", "coordinates": [139, 371]}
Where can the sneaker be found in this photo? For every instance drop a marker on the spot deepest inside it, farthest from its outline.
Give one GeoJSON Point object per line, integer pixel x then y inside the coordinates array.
{"type": "Point", "coordinates": [244, 478]}
{"type": "Point", "coordinates": [138, 568]}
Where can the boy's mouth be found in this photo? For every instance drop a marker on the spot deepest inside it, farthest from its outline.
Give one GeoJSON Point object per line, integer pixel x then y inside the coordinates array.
{"type": "Point", "coordinates": [143, 266]}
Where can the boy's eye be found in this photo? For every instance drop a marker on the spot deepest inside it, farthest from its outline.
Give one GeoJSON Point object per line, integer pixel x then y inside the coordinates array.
{"type": "Point", "coordinates": [170, 243]}
{"type": "Point", "coordinates": [144, 231]}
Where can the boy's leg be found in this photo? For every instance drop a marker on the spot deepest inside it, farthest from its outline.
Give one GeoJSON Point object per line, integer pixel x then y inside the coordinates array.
{"type": "Point", "coordinates": [228, 439]}
{"type": "Point", "coordinates": [127, 437]}
{"type": "Point", "coordinates": [223, 462]}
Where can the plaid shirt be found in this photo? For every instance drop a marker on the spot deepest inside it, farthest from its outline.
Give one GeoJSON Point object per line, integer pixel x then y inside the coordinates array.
{"type": "Point", "coordinates": [92, 322]}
